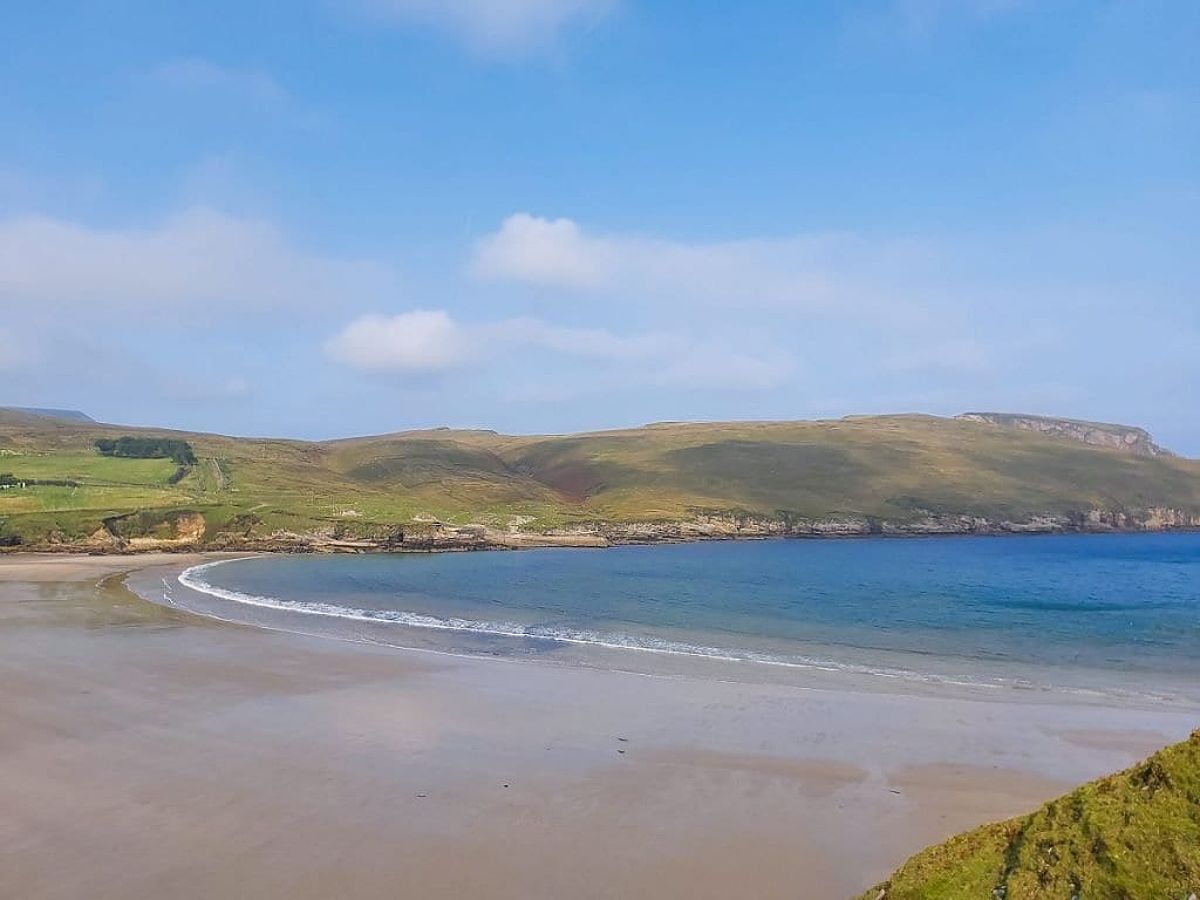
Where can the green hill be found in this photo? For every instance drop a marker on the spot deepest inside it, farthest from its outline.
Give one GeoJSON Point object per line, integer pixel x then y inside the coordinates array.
{"type": "Point", "coordinates": [860, 475]}
{"type": "Point", "coordinates": [1129, 836]}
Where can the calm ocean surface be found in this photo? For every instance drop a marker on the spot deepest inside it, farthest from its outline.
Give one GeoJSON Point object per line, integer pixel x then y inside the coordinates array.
{"type": "Point", "coordinates": [1074, 609]}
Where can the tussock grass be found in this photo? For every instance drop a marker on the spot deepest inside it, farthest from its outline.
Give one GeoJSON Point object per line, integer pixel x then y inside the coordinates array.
{"type": "Point", "coordinates": [1129, 836]}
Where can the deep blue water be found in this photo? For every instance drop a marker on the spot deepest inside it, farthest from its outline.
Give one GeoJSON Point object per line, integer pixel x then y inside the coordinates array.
{"type": "Point", "coordinates": [1129, 603]}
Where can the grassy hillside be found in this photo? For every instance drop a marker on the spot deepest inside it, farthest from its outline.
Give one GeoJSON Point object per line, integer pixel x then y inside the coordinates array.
{"type": "Point", "coordinates": [891, 467]}
{"type": "Point", "coordinates": [889, 472]}
{"type": "Point", "coordinates": [1130, 836]}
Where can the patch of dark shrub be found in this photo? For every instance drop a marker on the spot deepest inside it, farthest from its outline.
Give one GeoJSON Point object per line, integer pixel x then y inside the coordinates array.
{"type": "Point", "coordinates": [148, 448]}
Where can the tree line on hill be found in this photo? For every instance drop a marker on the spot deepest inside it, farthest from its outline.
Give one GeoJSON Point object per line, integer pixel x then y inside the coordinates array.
{"type": "Point", "coordinates": [148, 448]}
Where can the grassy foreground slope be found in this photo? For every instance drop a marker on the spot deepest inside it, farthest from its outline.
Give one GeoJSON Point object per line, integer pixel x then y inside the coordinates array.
{"type": "Point", "coordinates": [1132, 835]}
{"type": "Point", "coordinates": [855, 475]}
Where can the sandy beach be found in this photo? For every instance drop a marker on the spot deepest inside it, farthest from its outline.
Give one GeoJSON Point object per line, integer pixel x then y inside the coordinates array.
{"type": "Point", "coordinates": [147, 752]}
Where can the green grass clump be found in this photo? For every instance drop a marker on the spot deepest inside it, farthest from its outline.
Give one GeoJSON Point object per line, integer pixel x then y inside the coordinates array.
{"type": "Point", "coordinates": [1129, 836]}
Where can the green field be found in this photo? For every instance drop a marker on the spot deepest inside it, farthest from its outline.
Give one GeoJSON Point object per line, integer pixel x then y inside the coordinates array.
{"type": "Point", "coordinates": [1130, 836]}
{"type": "Point", "coordinates": [891, 471]}
{"type": "Point", "coordinates": [88, 466]}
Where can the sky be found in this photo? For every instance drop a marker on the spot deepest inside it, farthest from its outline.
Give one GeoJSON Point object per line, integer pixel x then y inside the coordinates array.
{"type": "Point", "coordinates": [333, 217]}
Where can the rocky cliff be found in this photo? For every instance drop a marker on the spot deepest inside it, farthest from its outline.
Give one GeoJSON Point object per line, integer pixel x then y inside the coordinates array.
{"type": "Point", "coordinates": [186, 531]}
{"type": "Point", "coordinates": [1097, 434]}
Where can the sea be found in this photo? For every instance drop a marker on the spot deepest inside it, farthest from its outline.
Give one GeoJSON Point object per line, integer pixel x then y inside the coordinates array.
{"type": "Point", "coordinates": [1107, 615]}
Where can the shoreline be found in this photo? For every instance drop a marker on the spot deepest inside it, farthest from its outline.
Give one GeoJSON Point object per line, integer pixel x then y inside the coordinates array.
{"type": "Point", "coordinates": [671, 653]}
{"type": "Point", "coordinates": [311, 767]}
{"type": "Point", "coordinates": [468, 538]}
{"type": "Point", "coordinates": [689, 662]}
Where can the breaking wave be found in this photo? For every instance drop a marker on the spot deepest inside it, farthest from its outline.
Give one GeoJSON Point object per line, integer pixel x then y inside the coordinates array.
{"type": "Point", "coordinates": [193, 578]}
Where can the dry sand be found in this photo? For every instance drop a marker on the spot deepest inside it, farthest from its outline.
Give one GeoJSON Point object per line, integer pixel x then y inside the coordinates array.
{"type": "Point", "coordinates": [54, 567]}
{"type": "Point", "coordinates": [146, 753]}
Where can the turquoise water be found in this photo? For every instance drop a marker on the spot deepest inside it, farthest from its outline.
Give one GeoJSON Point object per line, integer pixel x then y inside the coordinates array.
{"type": "Point", "coordinates": [990, 607]}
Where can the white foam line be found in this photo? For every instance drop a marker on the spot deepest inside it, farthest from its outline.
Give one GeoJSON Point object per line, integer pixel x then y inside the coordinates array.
{"type": "Point", "coordinates": [453, 654]}
{"type": "Point", "coordinates": [190, 578]}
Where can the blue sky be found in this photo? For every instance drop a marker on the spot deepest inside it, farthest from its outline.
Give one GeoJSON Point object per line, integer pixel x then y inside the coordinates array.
{"type": "Point", "coordinates": [347, 216]}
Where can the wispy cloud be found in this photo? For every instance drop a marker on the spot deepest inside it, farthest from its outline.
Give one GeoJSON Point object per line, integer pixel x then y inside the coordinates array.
{"type": "Point", "coordinates": [915, 22]}
{"type": "Point", "coordinates": [25, 189]}
{"type": "Point", "coordinates": [204, 74]}
{"type": "Point", "coordinates": [921, 17]}
{"type": "Point", "coordinates": [192, 265]}
{"type": "Point", "coordinates": [424, 342]}
{"type": "Point", "coordinates": [496, 28]}
{"type": "Point", "coordinates": [828, 272]}
{"type": "Point", "coordinates": [960, 356]}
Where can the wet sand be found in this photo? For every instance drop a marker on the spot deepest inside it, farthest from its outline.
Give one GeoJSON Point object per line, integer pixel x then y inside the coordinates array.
{"type": "Point", "coordinates": [146, 752]}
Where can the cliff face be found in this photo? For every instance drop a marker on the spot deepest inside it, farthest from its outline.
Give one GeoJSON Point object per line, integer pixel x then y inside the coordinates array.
{"type": "Point", "coordinates": [186, 532]}
{"type": "Point", "coordinates": [1096, 434]}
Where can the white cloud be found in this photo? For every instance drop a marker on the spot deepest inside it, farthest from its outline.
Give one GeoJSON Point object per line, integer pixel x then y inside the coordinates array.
{"type": "Point", "coordinates": [430, 341]}
{"type": "Point", "coordinates": [552, 252]}
{"type": "Point", "coordinates": [813, 272]}
{"type": "Point", "coordinates": [417, 342]}
{"type": "Point", "coordinates": [496, 27]}
{"type": "Point", "coordinates": [193, 264]}
{"type": "Point", "coordinates": [207, 75]}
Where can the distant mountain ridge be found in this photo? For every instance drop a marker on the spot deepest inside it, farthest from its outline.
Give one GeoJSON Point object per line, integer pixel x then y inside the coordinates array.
{"type": "Point", "coordinates": [981, 473]}
{"type": "Point", "coordinates": [71, 415]}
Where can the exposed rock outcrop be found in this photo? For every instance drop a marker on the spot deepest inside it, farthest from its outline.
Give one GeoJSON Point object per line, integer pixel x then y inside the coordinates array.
{"type": "Point", "coordinates": [1097, 434]}
{"type": "Point", "coordinates": [187, 531]}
